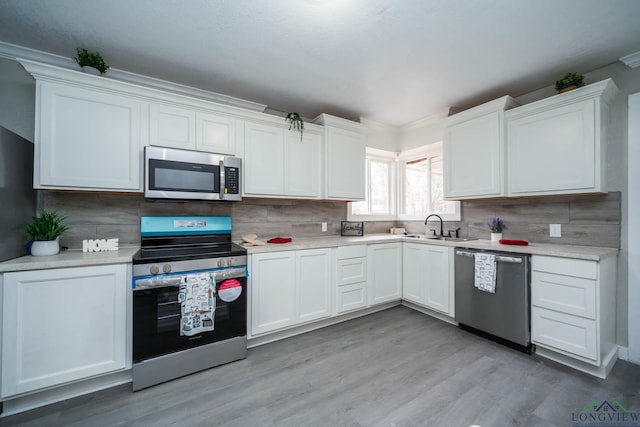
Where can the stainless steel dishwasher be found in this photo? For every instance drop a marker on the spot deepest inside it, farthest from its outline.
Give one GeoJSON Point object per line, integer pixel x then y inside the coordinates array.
{"type": "Point", "coordinates": [503, 316]}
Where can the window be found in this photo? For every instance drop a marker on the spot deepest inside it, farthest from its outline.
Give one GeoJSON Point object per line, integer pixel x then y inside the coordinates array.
{"type": "Point", "coordinates": [422, 190]}
{"type": "Point", "coordinates": [380, 201]}
{"type": "Point", "coordinates": [419, 178]}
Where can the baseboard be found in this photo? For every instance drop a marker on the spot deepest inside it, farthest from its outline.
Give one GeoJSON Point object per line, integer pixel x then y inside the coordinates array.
{"type": "Point", "coordinates": [608, 361]}
{"type": "Point", "coordinates": [34, 400]}
{"type": "Point", "coordinates": [623, 353]}
{"type": "Point", "coordinates": [287, 333]}
{"type": "Point", "coordinates": [430, 312]}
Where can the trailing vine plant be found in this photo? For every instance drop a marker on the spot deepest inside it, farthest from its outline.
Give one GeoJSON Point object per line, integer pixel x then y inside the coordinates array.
{"type": "Point", "coordinates": [295, 123]}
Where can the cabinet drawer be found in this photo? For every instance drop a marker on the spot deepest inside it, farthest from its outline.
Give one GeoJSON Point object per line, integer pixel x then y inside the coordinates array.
{"type": "Point", "coordinates": [565, 266]}
{"type": "Point", "coordinates": [351, 270]}
{"type": "Point", "coordinates": [567, 294]}
{"type": "Point", "coordinates": [354, 251]}
{"type": "Point", "coordinates": [565, 333]}
{"type": "Point", "coordinates": [351, 297]}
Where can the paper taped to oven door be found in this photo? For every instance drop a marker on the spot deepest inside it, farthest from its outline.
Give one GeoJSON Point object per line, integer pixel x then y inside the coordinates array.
{"type": "Point", "coordinates": [198, 304]}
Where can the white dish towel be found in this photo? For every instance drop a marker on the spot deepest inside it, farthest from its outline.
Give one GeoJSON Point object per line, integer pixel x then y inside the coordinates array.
{"type": "Point", "coordinates": [485, 272]}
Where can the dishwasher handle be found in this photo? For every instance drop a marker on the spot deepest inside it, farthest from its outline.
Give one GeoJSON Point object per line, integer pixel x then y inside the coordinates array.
{"type": "Point", "coordinates": [500, 258]}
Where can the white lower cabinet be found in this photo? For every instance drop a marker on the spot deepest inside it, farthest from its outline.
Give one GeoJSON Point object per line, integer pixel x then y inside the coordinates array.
{"type": "Point", "coordinates": [384, 262]}
{"type": "Point", "coordinates": [427, 277]}
{"type": "Point", "coordinates": [351, 278]}
{"type": "Point", "coordinates": [289, 288]}
{"type": "Point", "coordinates": [63, 325]}
{"type": "Point", "coordinates": [573, 308]}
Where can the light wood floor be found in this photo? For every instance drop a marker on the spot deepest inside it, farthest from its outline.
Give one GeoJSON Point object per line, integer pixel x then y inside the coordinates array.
{"type": "Point", "coordinates": [393, 368]}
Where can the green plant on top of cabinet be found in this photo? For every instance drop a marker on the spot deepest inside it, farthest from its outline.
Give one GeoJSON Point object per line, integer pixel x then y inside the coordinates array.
{"type": "Point", "coordinates": [279, 164]}
{"type": "Point", "coordinates": [474, 151]}
{"type": "Point", "coordinates": [558, 145]}
{"type": "Point", "coordinates": [180, 127]}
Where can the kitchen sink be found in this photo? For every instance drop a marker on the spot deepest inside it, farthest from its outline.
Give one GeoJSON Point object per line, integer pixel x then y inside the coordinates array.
{"type": "Point", "coordinates": [445, 238]}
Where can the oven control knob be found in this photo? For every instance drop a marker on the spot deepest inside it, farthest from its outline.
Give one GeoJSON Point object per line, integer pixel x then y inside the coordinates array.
{"type": "Point", "coordinates": [221, 262]}
{"type": "Point", "coordinates": [166, 268]}
{"type": "Point", "coordinates": [154, 269]}
{"type": "Point", "coordinates": [230, 262]}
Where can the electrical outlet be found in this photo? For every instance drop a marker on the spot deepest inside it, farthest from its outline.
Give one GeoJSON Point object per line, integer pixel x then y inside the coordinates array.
{"type": "Point", "coordinates": [324, 227]}
{"type": "Point", "coordinates": [555, 230]}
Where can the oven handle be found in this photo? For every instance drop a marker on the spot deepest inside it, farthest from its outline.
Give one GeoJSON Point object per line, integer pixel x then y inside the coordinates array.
{"type": "Point", "coordinates": [176, 279]}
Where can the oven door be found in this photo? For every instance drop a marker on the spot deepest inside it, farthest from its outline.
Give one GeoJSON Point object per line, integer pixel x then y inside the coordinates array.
{"type": "Point", "coordinates": [183, 174]}
{"type": "Point", "coordinates": [157, 313]}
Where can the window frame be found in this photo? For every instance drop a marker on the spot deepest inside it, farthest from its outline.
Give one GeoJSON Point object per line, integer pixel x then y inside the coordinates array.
{"type": "Point", "coordinates": [396, 185]}
{"type": "Point", "coordinates": [379, 156]}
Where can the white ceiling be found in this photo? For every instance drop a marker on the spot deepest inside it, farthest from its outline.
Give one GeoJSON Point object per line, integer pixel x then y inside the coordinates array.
{"type": "Point", "coordinates": [392, 61]}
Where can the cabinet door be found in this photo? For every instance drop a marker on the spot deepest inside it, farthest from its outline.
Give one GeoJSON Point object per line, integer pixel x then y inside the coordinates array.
{"type": "Point", "coordinates": [215, 133]}
{"type": "Point", "coordinates": [554, 151]}
{"type": "Point", "coordinates": [351, 297]}
{"type": "Point", "coordinates": [63, 325]}
{"type": "Point", "coordinates": [273, 297]}
{"type": "Point", "coordinates": [302, 165]}
{"type": "Point", "coordinates": [414, 273]}
{"type": "Point", "coordinates": [439, 284]}
{"type": "Point", "coordinates": [171, 126]}
{"type": "Point", "coordinates": [385, 272]}
{"type": "Point", "coordinates": [263, 160]}
{"type": "Point", "coordinates": [566, 334]}
{"type": "Point", "coordinates": [87, 139]}
{"type": "Point", "coordinates": [313, 283]}
{"type": "Point", "coordinates": [473, 156]}
{"type": "Point", "coordinates": [345, 163]}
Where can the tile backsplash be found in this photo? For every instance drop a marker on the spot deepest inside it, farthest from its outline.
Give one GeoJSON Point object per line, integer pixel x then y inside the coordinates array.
{"type": "Point", "coordinates": [592, 220]}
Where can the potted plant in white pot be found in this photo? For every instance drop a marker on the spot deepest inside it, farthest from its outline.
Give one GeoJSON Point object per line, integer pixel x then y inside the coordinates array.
{"type": "Point", "coordinates": [496, 225]}
{"type": "Point", "coordinates": [45, 230]}
{"type": "Point", "coordinates": [91, 62]}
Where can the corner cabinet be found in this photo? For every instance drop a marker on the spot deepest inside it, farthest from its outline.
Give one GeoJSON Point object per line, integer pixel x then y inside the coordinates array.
{"type": "Point", "coordinates": [558, 145]}
{"type": "Point", "coordinates": [427, 277]}
{"type": "Point", "coordinates": [87, 138]}
{"type": "Point", "coordinates": [573, 312]}
{"type": "Point", "coordinates": [280, 164]}
{"type": "Point", "coordinates": [64, 325]}
{"type": "Point", "coordinates": [474, 151]}
{"type": "Point", "coordinates": [344, 158]}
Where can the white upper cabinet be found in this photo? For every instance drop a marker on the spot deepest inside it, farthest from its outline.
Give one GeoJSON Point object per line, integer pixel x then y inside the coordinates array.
{"type": "Point", "coordinates": [558, 145]}
{"type": "Point", "coordinates": [87, 139]}
{"type": "Point", "coordinates": [171, 126]}
{"type": "Point", "coordinates": [474, 151]}
{"type": "Point", "coordinates": [344, 158]}
{"type": "Point", "coordinates": [279, 164]}
{"type": "Point", "coordinates": [217, 133]}
{"type": "Point", "coordinates": [179, 127]}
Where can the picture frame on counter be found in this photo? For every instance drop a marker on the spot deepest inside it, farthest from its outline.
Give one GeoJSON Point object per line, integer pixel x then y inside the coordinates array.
{"type": "Point", "coordinates": [352, 228]}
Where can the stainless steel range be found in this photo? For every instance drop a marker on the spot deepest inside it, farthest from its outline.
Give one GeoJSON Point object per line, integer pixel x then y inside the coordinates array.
{"type": "Point", "coordinates": [189, 298]}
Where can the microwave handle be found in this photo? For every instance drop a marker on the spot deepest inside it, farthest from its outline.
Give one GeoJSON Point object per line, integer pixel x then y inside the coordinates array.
{"type": "Point", "coordinates": [223, 180]}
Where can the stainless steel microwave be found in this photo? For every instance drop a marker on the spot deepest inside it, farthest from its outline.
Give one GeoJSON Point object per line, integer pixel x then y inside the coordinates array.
{"type": "Point", "coordinates": [191, 175]}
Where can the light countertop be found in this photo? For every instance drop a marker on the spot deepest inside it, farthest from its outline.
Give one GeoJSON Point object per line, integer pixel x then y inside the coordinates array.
{"type": "Point", "coordinates": [592, 253]}
{"type": "Point", "coordinates": [71, 258]}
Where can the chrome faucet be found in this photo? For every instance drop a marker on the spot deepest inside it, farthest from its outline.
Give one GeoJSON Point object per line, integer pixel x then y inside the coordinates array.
{"type": "Point", "coordinates": [441, 225]}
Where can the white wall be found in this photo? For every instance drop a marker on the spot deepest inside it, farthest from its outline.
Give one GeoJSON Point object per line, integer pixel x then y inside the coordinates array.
{"type": "Point", "coordinates": [634, 227]}
{"type": "Point", "coordinates": [17, 99]}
